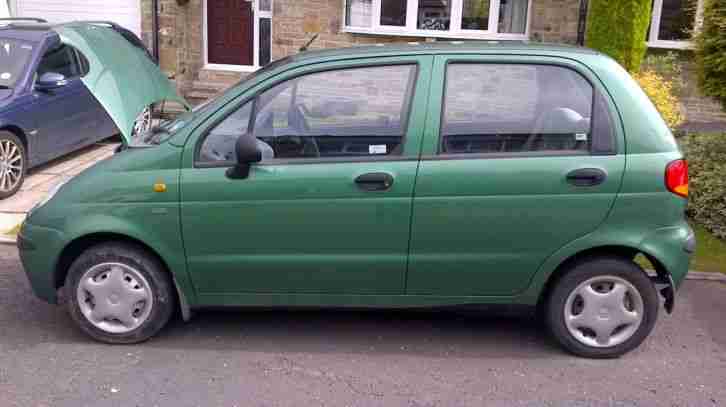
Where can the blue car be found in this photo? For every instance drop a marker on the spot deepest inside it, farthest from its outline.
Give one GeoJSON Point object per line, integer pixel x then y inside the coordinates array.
{"type": "Point", "coordinates": [46, 110]}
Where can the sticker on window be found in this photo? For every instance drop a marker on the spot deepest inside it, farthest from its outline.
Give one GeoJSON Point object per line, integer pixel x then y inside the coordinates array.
{"type": "Point", "coordinates": [6, 75]}
{"type": "Point", "coordinates": [377, 149]}
{"type": "Point", "coordinates": [580, 136]}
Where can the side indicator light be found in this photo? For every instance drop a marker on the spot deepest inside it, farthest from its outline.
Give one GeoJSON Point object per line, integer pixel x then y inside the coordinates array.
{"type": "Point", "coordinates": [159, 187]}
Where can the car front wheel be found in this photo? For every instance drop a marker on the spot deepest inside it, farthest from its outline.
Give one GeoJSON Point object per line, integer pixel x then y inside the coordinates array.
{"type": "Point", "coordinates": [119, 293]}
{"type": "Point", "coordinates": [12, 164]}
{"type": "Point", "coordinates": [602, 308]}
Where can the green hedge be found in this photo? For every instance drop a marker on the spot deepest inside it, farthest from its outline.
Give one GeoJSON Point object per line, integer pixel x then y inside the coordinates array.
{"type": "Point", "coordinates": [618, 28]}
{"type": "Point", "coordinates": [711, 51]}
{"type": "Point", "coordinates": [706, 154]}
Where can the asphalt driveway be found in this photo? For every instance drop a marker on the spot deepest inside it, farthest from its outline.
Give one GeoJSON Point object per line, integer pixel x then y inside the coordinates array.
{"type": "Point", "coordinates": [309, 358]}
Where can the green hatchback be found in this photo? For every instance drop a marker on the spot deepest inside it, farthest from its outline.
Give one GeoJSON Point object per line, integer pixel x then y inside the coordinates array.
{"type": "Point", "coordinates": [397, 176]}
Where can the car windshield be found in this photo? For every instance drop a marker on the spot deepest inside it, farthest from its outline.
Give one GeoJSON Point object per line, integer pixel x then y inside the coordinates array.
{"type": "Point", "coordinates": [14, 55]}
{"type": "Point", "coordinates": [165, 129]}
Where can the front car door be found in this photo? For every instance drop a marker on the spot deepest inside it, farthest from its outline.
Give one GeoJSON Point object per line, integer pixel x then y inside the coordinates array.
{"type": "Point", "coordinates": [70, 116]}
{"type": "Point", "coordinates": [328, 209]}
{"type": "Point", "coordinates": [522, 155]}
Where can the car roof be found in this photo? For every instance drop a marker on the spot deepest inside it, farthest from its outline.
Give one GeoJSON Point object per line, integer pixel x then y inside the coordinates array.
{"type": "Point", "coordinates": [25, 31]}
{"type": "Point", "coordinates": [444, 47]}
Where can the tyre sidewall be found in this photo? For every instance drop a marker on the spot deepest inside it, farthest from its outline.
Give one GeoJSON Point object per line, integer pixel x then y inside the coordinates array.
{"type": "Point", "coordinates": [617, 267]}
{"type": "Point", "coordinates": [5, 135]}
{"type": "Point", "coordinates": [159, 281]}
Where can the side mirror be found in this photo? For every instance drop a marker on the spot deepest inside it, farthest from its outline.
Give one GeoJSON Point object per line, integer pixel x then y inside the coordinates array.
{"type": "Point", "coordinates": [49, 81]}
{"type": "Point", "coordinates": [246, 152]}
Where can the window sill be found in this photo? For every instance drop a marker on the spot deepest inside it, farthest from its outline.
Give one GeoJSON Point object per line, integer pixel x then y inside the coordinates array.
{"type": "Point", "coordinates": [230, 68]}
{"type": "Point", "coordinates": [461, 35]}
{"type": "Point", "coordinates": [683, 45]}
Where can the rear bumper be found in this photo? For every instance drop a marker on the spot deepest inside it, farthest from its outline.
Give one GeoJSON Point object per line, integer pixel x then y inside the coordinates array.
{"type": "Point", "coordinates": [672, 247]}
{"type": "Point", "coordinates": [39, 249]}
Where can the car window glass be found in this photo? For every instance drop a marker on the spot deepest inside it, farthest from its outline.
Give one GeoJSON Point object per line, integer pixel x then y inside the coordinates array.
{"type": "Point", "coordinates": [343, 113]}
{"type": "Point", "coordinates": [219, 144]}
{"type": "Point", "coordinates": [60, 60]}
{"type": "Point", "coordinates": [505, 108]}
{"type": "Point", "coordinates": [14, 56]}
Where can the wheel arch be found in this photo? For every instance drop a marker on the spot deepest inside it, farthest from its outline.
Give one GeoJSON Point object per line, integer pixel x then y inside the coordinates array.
{"type": "Point", "coordinates": [77, 246]}
{"type": "Point", "coordinates": [622, 251]}
{"type": "Point", "coordinates": [19, 133]}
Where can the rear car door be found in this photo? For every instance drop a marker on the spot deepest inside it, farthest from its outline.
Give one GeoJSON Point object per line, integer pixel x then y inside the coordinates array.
{"type": "Point", "coordinates": [328, 209]}
{"type": "Point", "coordinates": [521, 156]}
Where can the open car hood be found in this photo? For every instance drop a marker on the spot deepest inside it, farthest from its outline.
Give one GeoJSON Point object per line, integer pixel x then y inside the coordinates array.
{"type": "Point", "coordinates": [121, 76]}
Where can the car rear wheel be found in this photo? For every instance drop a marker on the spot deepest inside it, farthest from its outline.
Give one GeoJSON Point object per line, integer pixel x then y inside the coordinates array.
{"type": "Point", "coordinates": [602, 308]}
{"type": "Point", "coordinates": [119, 293]}
{"type": "Point", "coordinates": [12, 164]}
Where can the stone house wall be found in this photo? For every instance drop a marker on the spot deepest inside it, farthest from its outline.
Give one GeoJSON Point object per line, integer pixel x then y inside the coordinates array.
{"type": "Point", "coordinates": [294, 22]}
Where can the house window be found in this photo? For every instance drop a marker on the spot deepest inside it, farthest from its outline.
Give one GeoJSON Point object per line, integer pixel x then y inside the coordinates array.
{"type": "Point", "coordinates": [673, 23]}
{"type": "Point", "coordinates": [479, 19]}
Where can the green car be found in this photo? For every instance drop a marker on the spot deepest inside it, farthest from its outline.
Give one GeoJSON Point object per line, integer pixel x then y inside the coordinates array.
{"type": "Point", "coordinates": [397, 176]}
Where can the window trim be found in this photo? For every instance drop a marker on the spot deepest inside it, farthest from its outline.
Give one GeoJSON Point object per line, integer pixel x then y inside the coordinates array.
{"type": "Point", "coordinates": [439, 155]}
{"type": "Point", "coordinates": [410, 91]}
{"type": "Point", "coordinates": [455, 31]}
{"type": "Point", "coordinates": [655, 17]}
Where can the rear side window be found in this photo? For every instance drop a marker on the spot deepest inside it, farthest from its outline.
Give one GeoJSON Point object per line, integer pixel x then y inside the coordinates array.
{"type": "Point", "coordinates": [518, 108]}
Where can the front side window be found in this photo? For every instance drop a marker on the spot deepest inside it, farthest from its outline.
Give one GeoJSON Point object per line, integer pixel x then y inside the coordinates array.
{"type": "Point", "coordinates": [356, 112]}
{"type": "Point", "coordinates": [674, 22]}
{"type": "Point", "coordinates": [60, 60]}
{"type": "Point", "coordinates": [441, 18]}
{"type": "Point", "coordinates": [518, 108]}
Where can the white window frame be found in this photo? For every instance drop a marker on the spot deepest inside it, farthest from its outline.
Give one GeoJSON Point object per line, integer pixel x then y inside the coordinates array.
{"type": "Point", "coordinates": [455, 30]}
{"type": "Point", "coordinates": [653, 40]}
{"type": "Point", "coordinates": [257, 14]}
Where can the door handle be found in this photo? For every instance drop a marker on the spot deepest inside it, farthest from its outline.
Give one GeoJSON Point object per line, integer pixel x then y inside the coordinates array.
{"type": "Point", "coordinates": [374, 181]}
{"type": "Point", "coordinates": [586, 177]}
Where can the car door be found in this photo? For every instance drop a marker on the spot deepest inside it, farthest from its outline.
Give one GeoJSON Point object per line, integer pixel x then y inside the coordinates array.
{"type": "Point", "coordinates": [70, 114]}
{"type": "Point", "coordinates": [522, 155]}
{"type": "Point", "coordinates": [328, 209]}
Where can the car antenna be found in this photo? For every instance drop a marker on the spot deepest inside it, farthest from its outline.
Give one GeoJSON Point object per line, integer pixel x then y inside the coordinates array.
{"type": "Point", "coordinates": [305, 47]}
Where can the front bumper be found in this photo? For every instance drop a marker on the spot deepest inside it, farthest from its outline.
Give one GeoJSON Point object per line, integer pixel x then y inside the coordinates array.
{"type": "Point", "coordinates": [39, 249]}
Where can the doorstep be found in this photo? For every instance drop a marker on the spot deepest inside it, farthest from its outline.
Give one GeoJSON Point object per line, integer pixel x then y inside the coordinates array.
{"type": "Point", "coordinates": [41, 180]}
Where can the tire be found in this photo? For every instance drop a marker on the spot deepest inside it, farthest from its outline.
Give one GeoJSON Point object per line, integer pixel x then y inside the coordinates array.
{"type": "Point", "coordinates": [584, 297]}
{"type": "Point", "coordinates": [12, 153]}
{"type": "Point", "coordinates": [130, 283]}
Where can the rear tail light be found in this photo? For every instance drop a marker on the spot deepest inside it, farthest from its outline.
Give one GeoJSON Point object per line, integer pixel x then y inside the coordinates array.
{"type": "Point", "coordinates": [676, 177]}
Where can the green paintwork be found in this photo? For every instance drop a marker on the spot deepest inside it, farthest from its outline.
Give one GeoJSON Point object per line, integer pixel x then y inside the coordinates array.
{"type": "Point", "coordinates": [121, 77]}
{"type": "Point", "coordinates": [464, 231]}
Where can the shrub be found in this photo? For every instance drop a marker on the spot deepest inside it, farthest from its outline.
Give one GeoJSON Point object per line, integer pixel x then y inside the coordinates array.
{"type": "Point", "coordinates": [660, 92]}
{"type": "Point", "coordinates": [668, 65]}
{"type": "Point", "coordinates": [707, 185]}
{"type": "Point", "coordinates": [618, 28]}
{"type": "Point", "coordinates": [711, 51]}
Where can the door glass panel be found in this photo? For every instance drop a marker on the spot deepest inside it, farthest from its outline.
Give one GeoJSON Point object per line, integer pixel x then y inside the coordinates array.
{"type": "Point", "coordinates": [358, 13]}
{"type": "Point", "coordinates": [344, 113]}
{"type": "Point", "coordinates": [677, 18]}
{"type": "Point", "coordinates": [434, 14]}
{"type": "Point", "coordinates": [508, 108]}
{"type": "Point", "coordinates": [393, 12]}
{"type": "Point", "coordinates": [513, 16]}
{"type": "Point", "coordinates": [265, 41]}
{"type": "Point", "coordinates": [475, 15]}
{"type": "Point", "coordinates": [59, 60]}
{"type": "Point", "coordinates": [218, 146]}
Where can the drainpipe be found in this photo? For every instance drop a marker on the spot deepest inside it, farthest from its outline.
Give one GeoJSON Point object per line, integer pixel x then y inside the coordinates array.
{"type": "Point", "coordinates": [155, 29]}
{"type": "Point", "coordinates": [582, 23]}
